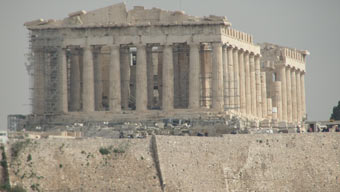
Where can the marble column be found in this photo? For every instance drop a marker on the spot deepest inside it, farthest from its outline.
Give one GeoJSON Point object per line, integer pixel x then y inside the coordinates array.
{"type": "Point", "coordinates": [282, 74]}
{"type": "Point", "coordinates": [125, 76]}
{"type": "Point", "coordinates": [298, 96]}
{"type": "Point", "coordinates": [62, 81]}
{"type": "Point", "coordinates": [114, 79]}
{"type": "Point", "coordinates": [289, 95]}
{"type": "Point", "coordinates": [264, 94]}
{"type": "Point", "coordinates": [247, 78]}
{"type": "Point", "coordinates": [278, 99]}
{"type": "Point", "coordinates": [88, 80]}
{"type": "Point", "coordinates": [258, 86]}
{"type": "Point", "coordinates": [75, 95]}
{"type": "Point", "coordinates": [303, 94]}
{"type": "Point", "coordinates": [242, 82]}
{"type": "Point", "coordinates": [236, 81]}
{"type": "Point", "coordinates": [252, 84]}
{"type": "Point", "coordinates": [231, 80]}
{"type": "Point", "coordinates": [217, 77]}
{"type": "Point", "coordinates": [98, 88]}
{"type": "Point", "coordinates": [226, 92]}
{"type": "Point", "coordinates": [141, 79]}
{"type": "Point", "coordinates": [168, 78]}
{"type": "Point", "coordinates": [150, 78]}
{"type": "Point", "coordinates": [269, 108]}
{"type": "Point", "coordinates": [294, 95]}
{"type": "Point", "coordinates": [39, 82]}
{"type": "Point", "coordinates": [194, 76]}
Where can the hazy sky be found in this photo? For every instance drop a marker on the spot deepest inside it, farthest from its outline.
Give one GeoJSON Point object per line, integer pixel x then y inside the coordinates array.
{"type": "Point", "coordinates": [304, 24]}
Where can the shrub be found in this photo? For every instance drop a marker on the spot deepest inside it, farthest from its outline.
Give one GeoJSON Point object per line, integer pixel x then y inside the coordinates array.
{"type": "Point", "coordinates": [104, 151]}
{"type": "Point", "coordinates": [29, 158]}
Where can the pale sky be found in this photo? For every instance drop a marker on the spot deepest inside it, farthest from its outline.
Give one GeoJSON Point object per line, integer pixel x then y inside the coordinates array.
{"type": "Point", "coordinates": [304, 24]}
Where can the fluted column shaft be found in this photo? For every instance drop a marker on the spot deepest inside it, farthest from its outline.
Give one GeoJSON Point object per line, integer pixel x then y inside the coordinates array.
{"type": "Point", "coordinates": [283, 80]}
{"type": "Point", "coordinates": [242, 83]}
{"type": "Point", "coordinates": [225, 76]}
{"type": "Point", "coordinates": [247, 78]}
{"type": "Point", "coordinates": [194, 76]}
{"type": "Point", "coordinates": [269, 108]}
{"type": "Point", "coordinates": [278, 100]}
{"type": "Point", "coordinates": [298, 96]}
{"type": "Point", "coordinates": [230, 78]}
{"type": "Point", "coordinates": [115, 80]}
{"type": "Point", "coordinates": [88, 81]}
{"type": "Point", "coordinates": [303, 94]}
{"type": "Point", "coordinates": [252, 84]}
{"type": "Point", "coordinates": [150, 79]}
{"type": "Point", "coordinates": [39, 85]}
{"type": "Point", "coordinates": [289, 95]}
{"type": "Point", "coordinates": [75, 81]}
{"type": "Point", "coordinates": [264, 94]}
{"type": "Point", "coordinates": [62, 81]}
{"type": "Point", "coordinates": [98, 88]}
{"type": "Point", "coordinates": [141, 79]}
{"type": "Point", "coordinates": [168, 79]}
{"type": "Point", "coordinates": [258, 86]}
{"type": "Point", "coordinates": [125, 77]}
{"type": "Point", "coordinates": [294, 95]}
{"type": "Point", "coordinates": [217, 77]}
{"type": "Point", "coordinates": [236, 81]}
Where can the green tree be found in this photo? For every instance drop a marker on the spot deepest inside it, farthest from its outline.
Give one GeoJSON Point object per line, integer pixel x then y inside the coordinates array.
{"type": "Point", "coordinates": [336, 112]}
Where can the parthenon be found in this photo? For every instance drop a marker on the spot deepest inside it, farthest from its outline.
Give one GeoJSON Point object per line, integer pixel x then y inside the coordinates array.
{"type": "Point", "coordinates": [150, 61]}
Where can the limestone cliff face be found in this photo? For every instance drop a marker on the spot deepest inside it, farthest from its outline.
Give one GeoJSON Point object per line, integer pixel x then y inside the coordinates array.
{"type": "Point", "coordinates": [289, 162]}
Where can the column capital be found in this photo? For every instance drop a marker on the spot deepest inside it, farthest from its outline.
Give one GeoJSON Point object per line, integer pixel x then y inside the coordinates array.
{"type": "Point", "coordinates": [116, 46]}
{"type": "Point", "coordinates": [194, 44]}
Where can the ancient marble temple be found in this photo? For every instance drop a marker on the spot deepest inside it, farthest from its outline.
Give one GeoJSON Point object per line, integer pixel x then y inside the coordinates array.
{"type": "Point", "coordinates": [150, 60]}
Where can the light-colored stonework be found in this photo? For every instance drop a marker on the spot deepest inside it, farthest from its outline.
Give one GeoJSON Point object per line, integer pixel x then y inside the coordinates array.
{"type": "Point", "coordinates": [150, 61]}
{"type": "Point", "coordinates": [277, 162]}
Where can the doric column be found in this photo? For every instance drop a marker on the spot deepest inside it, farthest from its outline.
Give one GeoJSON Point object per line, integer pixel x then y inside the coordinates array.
{"type": "Point", "coordinates": [88, 80]}
{"type": "Point", "coordinates": [125, 76]}
{"type": "Point", "coordinates": [294, 95]}
{"type": "Point", "coordinates": [252, 84]}
{"type": "Point", "coordinates": [282, 75]}
{"type": "Point", "coordinates": [269, 108]}
{"type": "Point", "coordinates": [247, 78]}
{"type": "Point", "coordinates": [278, 99]}
{"type": "Point", "coordinates": [39, 85]}
{"type": "Point", "coordinates": [236, 81]}
{"type": "Point", "coordinates": [168, 78]}
{"type": "Point", "coordinates": [98, 88]}
{"type": "Point", "coordinates": [303, 94]}
{"type": "Point", "coordinates": [217, 77]}
{"type": "Point", "coordinates": [264, 94]}
{"type": "Point", "coordinates": [194, 76]}
{"type": "Point", "coordinates": [150, 78]}
{"type": "Point", "coordinates": [114, 79]}
{"type": "Point", "coordinates": [258, 86]}
{"type": "Point", "coordinates": [141, 79]}
{"type": "Point", "coordinates": [75, 94]}
{"type": "Point", "coordinates": [289, 95]}
{"type": "Point", "coordinates": [62, 81]}
{"type": "Point", "coordinates": [242, 79]}
{"type": "Point", "coordinates": [231, 81]}
{"type": "Point", "coordinates": [298, 96]}
{"type": "Point", "coordinates": [226, 92]}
